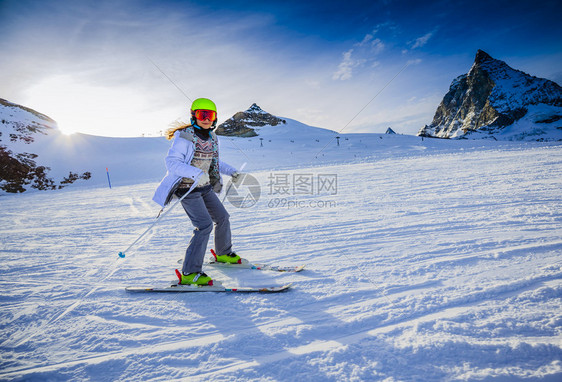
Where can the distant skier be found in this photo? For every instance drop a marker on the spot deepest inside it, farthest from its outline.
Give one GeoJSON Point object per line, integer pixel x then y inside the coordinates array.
{"type": "Point", "coordinates": [193, 161]}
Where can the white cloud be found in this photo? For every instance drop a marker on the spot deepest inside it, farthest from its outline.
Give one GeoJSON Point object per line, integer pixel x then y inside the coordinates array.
{"type": "Point", "coordinates": [421, 41]}
{"type": "Point", "coordinates": [345, 68]}
{"type": "Point", "coordinates": [362, 52]}
{"type": "Point", "coordinates": [377, 46]}
{"type": "Point", "coordinates": [368, 37]}
{"type": "Point", "coordinates": [370, 43]}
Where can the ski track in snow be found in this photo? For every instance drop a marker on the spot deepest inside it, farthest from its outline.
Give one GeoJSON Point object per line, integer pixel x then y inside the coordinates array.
{"type": "Point", "coordinates": [428, 266]}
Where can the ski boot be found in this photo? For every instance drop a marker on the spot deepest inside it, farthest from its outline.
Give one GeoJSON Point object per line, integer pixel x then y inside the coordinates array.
{"type": "Point", "coordinates": [195, 278]}
{"type": "Point", "coordinates": [230, 258]}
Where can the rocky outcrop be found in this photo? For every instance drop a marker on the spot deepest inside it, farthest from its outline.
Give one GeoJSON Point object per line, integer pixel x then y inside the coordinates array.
{"type": "Point", "coordinates": [19, 170]}
{"type": "Point", "coordinates": [243, 123]}
{"type": "Point", "coordinates": [493, 96]}
{"type": "Point", "coordinates": [20, 123]}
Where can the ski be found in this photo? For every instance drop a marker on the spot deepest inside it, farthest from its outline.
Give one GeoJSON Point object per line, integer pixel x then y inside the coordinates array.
{"type": "Point", "coordinates": [245, 264]}
{"type": "Point", "coordinates": [257, 266]}
{"type": "Point", "coordinates": [177, 288]}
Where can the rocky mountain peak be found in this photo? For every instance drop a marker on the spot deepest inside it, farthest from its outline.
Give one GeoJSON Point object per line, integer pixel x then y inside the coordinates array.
{"type": "Point", "coordinates": [491, 98]}
{"type": "Point", "coordinates": [482, 56]}
{"type": "Point", "coordinates": [243, 123]}
{"type": "Point", "coordinates": [255, 109]}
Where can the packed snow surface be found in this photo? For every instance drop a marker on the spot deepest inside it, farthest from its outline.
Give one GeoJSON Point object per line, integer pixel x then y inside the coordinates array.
{"type": "Point", "coordinates": [426, 260]}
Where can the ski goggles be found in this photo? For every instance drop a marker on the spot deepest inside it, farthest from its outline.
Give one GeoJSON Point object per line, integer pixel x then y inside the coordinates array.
{"type": "Point", "coordinates": [205, 114]}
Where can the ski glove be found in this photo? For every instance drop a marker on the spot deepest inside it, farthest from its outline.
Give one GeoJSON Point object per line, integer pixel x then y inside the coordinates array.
{"type": "Point", "coordinates": [217, 187]}
{"type": "Point", "coordinates": [237, 177]}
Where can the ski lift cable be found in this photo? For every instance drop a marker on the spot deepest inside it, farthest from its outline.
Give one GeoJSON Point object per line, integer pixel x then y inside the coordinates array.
{"type": "Point", "coordinates": [189, 98]}
{"type": "Point", "coordinates": [169, 79]}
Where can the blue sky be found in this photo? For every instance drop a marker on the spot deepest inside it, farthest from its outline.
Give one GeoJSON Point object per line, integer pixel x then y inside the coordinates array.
{"type": "Point", "coordinates": [97, 66]}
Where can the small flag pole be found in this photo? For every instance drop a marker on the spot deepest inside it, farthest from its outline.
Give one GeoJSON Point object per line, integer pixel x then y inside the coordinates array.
{"type": "Point", "coordinates": [108, 179]}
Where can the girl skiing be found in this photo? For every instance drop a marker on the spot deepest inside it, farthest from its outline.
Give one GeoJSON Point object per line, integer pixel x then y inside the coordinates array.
{"type": "Point", "coordinates": [193, 167]}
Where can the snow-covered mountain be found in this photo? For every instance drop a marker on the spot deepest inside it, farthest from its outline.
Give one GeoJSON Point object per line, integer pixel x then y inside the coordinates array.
{"type": "Point", "coordinates": [21, 167]}
{"type": "Point", "coordinates": [244, 123]}
{"type": "Point", "coordinates": [22, 121]}
{"type": "Point", "coordinates": [496, 101]}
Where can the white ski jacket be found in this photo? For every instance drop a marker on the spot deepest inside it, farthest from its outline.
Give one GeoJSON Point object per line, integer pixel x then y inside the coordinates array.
{"type": "Point", "coordinates": [178, 166]}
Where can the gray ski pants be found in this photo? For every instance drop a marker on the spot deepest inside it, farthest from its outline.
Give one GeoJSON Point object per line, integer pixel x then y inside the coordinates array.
{"type": "Point", "coordinates": [204, 208]}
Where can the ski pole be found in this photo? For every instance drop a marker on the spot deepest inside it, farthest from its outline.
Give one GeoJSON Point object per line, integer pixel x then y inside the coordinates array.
{"type": "Point", "coordinates": [160, 216]}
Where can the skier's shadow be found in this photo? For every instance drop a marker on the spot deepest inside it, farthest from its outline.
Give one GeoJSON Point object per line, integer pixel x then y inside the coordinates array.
{"type": "Point", "coordinates": [263, 331]}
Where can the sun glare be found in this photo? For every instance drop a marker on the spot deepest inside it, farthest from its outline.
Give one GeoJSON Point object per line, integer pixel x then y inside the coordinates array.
{"type": "Point", "coordinates": [65, 130]}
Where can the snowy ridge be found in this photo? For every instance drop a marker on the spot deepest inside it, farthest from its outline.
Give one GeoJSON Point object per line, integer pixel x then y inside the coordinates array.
{"type": "Point", "coordinates": [515, 89]}
{"type": "Point", "coordinates": [21, 129]}
{"type": "Point", "coordinates": [20, 124]}
{"type": "Point", "coordinates": [495, 101]}
{"type": "Point", "coordinates": [13, 115]}
{"type": "Point", "coordinates": [255, 109]}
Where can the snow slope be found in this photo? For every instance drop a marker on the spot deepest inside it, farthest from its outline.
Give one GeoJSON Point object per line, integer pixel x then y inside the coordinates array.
{"type": "Point", "coordinates": [432, 260]}
{"type": "Point", "coordinates": [535, 125]}
{"type": "Point", "coordinates": [81, 152]}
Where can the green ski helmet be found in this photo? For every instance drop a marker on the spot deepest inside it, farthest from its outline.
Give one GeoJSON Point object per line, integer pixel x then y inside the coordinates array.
{"type": "Point", "coordinates": [203, 104]}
